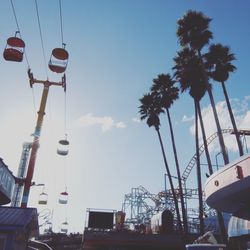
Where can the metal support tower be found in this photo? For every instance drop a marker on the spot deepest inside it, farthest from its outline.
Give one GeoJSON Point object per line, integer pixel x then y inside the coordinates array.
{"type": "Point", "coordinates": [35, 144]}
{"type": "Point", "coordinates": [22, 169]}
{"type": "Point", "coordinates": [140, 205]}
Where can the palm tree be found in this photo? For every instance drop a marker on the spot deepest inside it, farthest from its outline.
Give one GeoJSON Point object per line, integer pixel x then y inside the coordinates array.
{"type": "Point", "coordinates": [164, 89]}
{"type": "Point", "coordinates": [219, 60]}
{"type": "Point", "coordinates": [193, 32]}
{"type": "Point", "coordinates": [189, 74]}
{"type": "Point", "coordinates": [151, 109]}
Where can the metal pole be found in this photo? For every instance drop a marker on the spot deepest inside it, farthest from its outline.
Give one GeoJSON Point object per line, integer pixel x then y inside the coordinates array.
{"type": "Point", "coordinates": [217, 166]}
{"type": "Point", "coordinates": [35, 147]}
{"type": "Point", "coordinates": [37, 132]}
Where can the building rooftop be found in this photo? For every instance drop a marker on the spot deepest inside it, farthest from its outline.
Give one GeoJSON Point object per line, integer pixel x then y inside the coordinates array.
{"type": "Point", "coordinates": [15, 218]}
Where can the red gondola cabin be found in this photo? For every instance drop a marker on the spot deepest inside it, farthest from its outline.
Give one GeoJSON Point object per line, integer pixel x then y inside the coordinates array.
{"type": "Point", "coordinates": [14, 49]}
{"type": "Point", "coordinates": [58, 60]}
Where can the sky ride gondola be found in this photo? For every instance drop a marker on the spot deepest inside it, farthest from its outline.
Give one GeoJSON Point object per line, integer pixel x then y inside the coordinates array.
{"type": "Point", "coordinates": [64, 227]}
{"type": "Point", "coordinates": [63, 199]}
{"type": "Point", "coordinates": [43, 198]}
{"type": "Point", "coordinates": [14, 49]}
{"type": "Point", "coordinates": [63, 147]}
{"type": "Point", "coordinates": [59, 60]}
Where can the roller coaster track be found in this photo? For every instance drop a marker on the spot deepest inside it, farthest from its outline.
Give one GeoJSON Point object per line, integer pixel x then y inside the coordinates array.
{"type": "Point", "coordinates": [135, 203]}
{"type": "Point", "coordinates": [192, 162]}
{"type": "Point", "coordinates": [190, 166]}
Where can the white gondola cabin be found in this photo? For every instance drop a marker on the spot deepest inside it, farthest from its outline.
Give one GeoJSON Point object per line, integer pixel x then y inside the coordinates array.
{"type": "Point", "coordinates": [63, 199]}
{"type": "Point", "coordinates": [58, 60]}
{"type": "Point", "coordinates": [64, 227]}
{"type": "Point", "coordinates": [63, 147]}
{"type": "Point", "coordinates": [14, 49]}
{"type": "Point", "coordinates": [43, 198]}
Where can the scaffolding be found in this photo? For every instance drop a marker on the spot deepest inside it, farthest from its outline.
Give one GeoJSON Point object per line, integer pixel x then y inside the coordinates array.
{"type": "Point", "coordinates": [22, 169]}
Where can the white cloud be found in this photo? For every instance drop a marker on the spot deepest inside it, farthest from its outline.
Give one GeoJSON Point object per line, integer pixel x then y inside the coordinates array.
{"type": "Point", "coordinates": [106, 122]}
{"type": "Point", "coordinates": [187, 119]}
{"type": "Point", "coordinates": [241, 115]}
{"type": "Point", "coordinates": [120, 125]}
{"type": "Point", "coordinates": [135, 119]}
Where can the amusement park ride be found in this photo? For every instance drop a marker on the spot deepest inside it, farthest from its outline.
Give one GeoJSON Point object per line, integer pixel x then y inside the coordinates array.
{"type": "Point", "coordinates": [15, 52]}
{"type": "Point", "coordinates": [227, 190]}
{"type": "Point", "coordinates": [140, 204]}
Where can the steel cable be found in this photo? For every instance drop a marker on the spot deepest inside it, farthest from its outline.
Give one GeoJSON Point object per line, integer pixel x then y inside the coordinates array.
{"type": "Point", "coordinates": [41, 37]}
{"type": "Point", "coordinates": [18, 29]}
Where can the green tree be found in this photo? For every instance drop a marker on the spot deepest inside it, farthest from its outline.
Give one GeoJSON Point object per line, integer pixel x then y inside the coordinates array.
{"type": "Point", "coordinates": [150, 110]}
{"type": "Point", "coordinates": [219, 60]}
{"type": "Point", "coordinates": [164, 89]}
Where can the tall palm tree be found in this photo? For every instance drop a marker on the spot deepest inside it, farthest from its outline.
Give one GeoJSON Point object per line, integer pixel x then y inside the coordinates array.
{"type": "Point", "coordinates": [164, 89]}
{"type": "Point", "coordinates": [193, 32]}
{"type": "Point", "coordinates": [189, 74]}
{"type": "Point", "coordinates": [219, 60]}
{"type": "Point", "coordinates": [150, 110]}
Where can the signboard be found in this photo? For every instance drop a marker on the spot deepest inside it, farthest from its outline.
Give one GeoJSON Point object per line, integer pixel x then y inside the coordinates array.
{"type": "Point", "coordinates": [7, 183]}
{"type": "Point", "coordinates": [101, 220]}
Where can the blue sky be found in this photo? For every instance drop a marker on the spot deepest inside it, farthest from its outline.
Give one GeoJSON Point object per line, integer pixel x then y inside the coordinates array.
{"type": "Point", "coordinates": [116, 48]}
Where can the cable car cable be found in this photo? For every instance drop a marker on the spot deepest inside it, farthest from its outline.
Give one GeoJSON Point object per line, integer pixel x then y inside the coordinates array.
{"type": "Point", "coordinates": [61, 21]}
{"type": "Point", "coordinates": [65, 97]}
{"type": "Point", "coordinates": [25, 53]}
{"type": "Point", "coordinates": [59, 56]}
{"type": "Point", "coordinates": [18, 28]}
{"type": "Point", "coordinates": [14, 12]}
{"type": "Point", "coordinates": [34, 100]}
{"type": "Point", "coordinates": [41, 37]}
{"type": "Point", "coordinates": [65, 113]}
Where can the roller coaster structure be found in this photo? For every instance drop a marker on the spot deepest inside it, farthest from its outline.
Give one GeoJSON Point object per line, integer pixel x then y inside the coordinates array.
{"type": "Point", "coordinates": [140, 205]}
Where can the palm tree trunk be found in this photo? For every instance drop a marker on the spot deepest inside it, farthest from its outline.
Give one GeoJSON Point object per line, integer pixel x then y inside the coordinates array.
{"type": "Point", "coordinates": [209, 163]}
{"type": "Point", "coordinates": [171, 182]}
{"type": "Point", "coordinates": [223, 230]}
{"type": "Point", "coordinates": [219, 214]}
{"type": "Point", "coordinates": [198, 167]}
{"type": "Point", "coordinates": [232, 120]}
{"type": "Point", "coordinates": [184, 215]}
{"type": "Point", "coordinates": [221, 140]}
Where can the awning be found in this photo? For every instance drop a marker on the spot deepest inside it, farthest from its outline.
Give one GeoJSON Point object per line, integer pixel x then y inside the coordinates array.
{"type": "Point", "coordinates": [238, 227]}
